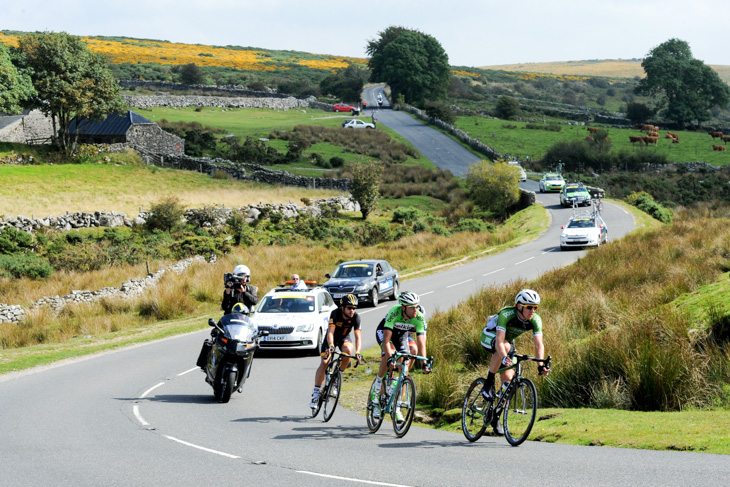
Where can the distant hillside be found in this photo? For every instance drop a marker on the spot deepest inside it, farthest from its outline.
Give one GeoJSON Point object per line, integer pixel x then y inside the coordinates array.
{"type": "Point", "coordinates": [610, 68]}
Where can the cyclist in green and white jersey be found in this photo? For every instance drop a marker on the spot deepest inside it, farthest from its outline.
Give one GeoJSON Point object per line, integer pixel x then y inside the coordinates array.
{"type": "Point", "coordinates": [401, 319]}
{"type": "Point", "coordinates": [499, 335]}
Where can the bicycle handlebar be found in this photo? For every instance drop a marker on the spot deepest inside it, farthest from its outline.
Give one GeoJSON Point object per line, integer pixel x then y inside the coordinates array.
{"type": "Point", "coordinates": [399, 355]}
{"type": "Point", "coordinates": [357, 362]}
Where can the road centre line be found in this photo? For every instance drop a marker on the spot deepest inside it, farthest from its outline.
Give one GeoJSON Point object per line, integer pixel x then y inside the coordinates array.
{"type": "Point", "coordinates": [523, 261]}
{"type": "Point", "coordinates": [371, 482]}
{"type": "Point", "coordinates": [425, 294]}
{"type": "Point", "coordinates": [151, 389]}
{"type": "Point", "coordinates": [459, 283]}
{"type": "Point", "coordinates": [135, 410]}
{"type": "Point", "coordinates": [200, 447]}
{"type": "Point", "coordinates": [187, 371]}
{"type": "Point", "coordinates": [489, 273]}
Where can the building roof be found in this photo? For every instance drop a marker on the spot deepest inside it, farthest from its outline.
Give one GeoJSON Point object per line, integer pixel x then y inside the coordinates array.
{"type": "Point", "coordinates": [114, 124]}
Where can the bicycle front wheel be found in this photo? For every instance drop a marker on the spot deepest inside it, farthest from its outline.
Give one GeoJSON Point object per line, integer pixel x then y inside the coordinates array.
{"type": "Point", "coordinates": [519, 414]}
{"type": "Point", "coordinates": [373, 407]}
{"type": "Point", "coordinates": [405, 407]}
{"type": "Point", "coordinates": [473, 411]}
{"type": "Point", "coordinates": [332, 395]}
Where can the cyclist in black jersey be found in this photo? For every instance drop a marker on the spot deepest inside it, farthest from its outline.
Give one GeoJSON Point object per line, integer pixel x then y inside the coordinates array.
{"type": "Point", "coordinates": [342, 320]}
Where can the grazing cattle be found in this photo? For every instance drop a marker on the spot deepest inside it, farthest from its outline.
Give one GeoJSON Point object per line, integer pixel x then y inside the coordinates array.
{"type": "Point", "coordinates": [675, 141]}
{"type": "Point", "coordinates": [636, 138]}
{"type": "Point", "coordinates": [593, 130]}
{"type": "Point", "coordinates": [671, 135]}
{"type": "Point", "coordinates": [650, 140]}
{"type": "Point", "coordinates": [726, 139]}
{"type": "Point", "coordinates": [652, 133]}
{"type": "Point", "coordinates": [718, 147]}
{"type": "Point", "coordinates": [715, 135]}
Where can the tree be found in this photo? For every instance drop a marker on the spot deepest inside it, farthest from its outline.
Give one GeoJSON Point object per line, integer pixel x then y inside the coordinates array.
{"type": "Point", "coordinates": [638, 112]}
{"type": "Point", "coordinates": [507, 108]}
{"type": "Point", "coordinates": [493, 186]}
{"type": "Point", "coordinates": [15, 87]}
{"type": "Point", "coordinates": [346, 84]}
{"type": "Point", "coordinates": [412, 63]}
{"type": "Point", "coordinates": [688, 88]}
{"type": "Point", "coordinates": [190, 74]}
{"type": "Point", "coordinates": [440, 110]}
{"type": "Point", "coordinates": [72, 84]}
{"type": "Point", "coordinates": [364, 189]}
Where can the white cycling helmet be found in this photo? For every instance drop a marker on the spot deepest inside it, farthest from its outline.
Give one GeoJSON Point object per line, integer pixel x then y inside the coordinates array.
{"type": "Point", "coordinates": [527, 296]}
{"type": "Point", "coordinates": [408, 298]}
{"type": "Point", "coordinates": [241, 271]}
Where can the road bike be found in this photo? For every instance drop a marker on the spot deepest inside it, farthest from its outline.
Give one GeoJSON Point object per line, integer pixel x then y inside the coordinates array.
{"type": "Point", "coordinates": [399, 399]}
{"type": "Point", "coordinates": [517, 403]}
{"type": "Point", "coordinates": [330, 392]}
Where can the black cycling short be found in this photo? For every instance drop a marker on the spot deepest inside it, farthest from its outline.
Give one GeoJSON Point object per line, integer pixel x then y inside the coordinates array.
{"type": "Point", "coordinates": [325, 346]}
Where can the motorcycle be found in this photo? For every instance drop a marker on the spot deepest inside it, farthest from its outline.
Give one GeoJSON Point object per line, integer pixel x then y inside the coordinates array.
{"type": "Point", "coordinates": [230, 355]}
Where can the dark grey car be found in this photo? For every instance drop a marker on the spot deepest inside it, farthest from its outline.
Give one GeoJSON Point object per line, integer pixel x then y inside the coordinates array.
{"type": "Point", "coordinates": [369, 280]}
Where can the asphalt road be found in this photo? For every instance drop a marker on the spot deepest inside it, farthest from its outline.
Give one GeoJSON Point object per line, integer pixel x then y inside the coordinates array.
{"type": "Point", "coordinates": [145, 416]}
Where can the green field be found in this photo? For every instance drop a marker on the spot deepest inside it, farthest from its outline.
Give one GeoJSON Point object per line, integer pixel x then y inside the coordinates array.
{"type": "Point", "coordinates": [508, 137]}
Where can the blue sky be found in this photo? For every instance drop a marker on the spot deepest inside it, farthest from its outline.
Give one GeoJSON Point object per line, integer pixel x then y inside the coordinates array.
{"type": "Point", "coordinates": [472, 32]}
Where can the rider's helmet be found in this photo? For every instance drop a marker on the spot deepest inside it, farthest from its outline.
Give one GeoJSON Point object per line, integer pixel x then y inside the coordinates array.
{"type": "Point", "coordinates": [407, 298]}
{"type": "Point", "coordinates": [527, 296]}
{"type": "Point", "coordinates": [240, 308]}
{"type": "Point", "coordinates": [240, 271]}
{"type": "Point", "coordinates": [348, 300]}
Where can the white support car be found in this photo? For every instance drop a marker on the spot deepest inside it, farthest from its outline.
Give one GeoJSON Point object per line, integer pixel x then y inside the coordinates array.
{"type": "Point", "coordinates": [586, 230]}
{"type": "Point", "coordinates": [356, 123]}
{"type": "Point", "coordinates": [295, 320]}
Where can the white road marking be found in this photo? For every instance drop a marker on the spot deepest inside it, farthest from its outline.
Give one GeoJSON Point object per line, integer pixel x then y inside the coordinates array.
{"type": "Point", "coordinates": [223, 454]}
{"type": "Point", "coordinates": [351, 480]}
{"type": "Point", "coordinates": [139, 417]}
{"type": "Point", "coordinates": [187, 371]}
{"type": "Point", "coordinates": [523, 261]}
{"type": "Point", "coordinates": [488, 273]}
{"type": "Point", "coordinates": [425, 294]}
{"type": "Point", "coordinates": [459, 283]}
{"type": "Point", "coordinates": [151, 389]}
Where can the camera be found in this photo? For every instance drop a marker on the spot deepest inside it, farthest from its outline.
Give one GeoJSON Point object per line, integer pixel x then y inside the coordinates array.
{"type": "Point", "coordinates": [233, 280]}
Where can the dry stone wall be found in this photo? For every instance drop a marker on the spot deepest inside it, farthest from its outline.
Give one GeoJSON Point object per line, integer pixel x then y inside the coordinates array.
{"type": "Point", "coordinates": [128, 289]}
{"type": "Point", "coordinates": [182, 101]}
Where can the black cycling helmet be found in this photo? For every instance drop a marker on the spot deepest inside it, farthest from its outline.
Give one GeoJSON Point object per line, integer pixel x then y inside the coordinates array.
{"type": "Point", "coordinates": [240, 308]}
{"type": "Point", "coordinates": [348, 300]}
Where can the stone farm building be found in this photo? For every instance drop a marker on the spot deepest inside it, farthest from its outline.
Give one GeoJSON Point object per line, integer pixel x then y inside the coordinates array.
{"type": "Point", "coordinates": [127, 129]}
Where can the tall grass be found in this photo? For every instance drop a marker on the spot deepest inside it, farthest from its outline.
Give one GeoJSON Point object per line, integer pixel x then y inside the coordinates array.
{"type": "Point", "coordinates": [616, 338]}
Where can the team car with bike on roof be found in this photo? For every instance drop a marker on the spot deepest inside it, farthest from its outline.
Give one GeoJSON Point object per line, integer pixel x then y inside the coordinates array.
{"type": "Point", "coordinates": [587, 230]}
{"type": "Point", "coordinates": [294, 320]}
{"type": "Point", "coordinates": [575, 194]}
{"type": "Point", "coordinates": [370, 280]}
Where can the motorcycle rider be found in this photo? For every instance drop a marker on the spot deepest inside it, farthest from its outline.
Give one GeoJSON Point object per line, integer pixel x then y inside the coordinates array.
{"type": "Point", "coordinates": [238, 290]}
{"type": "Point", "coordinates": [237, 312]}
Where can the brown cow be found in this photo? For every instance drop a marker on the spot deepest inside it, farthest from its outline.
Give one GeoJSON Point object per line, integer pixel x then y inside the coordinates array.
{"type": "Point", "coordinates": [715, 134]}
{"type": "Point", "coordinates": [636, 138]}
{"type": "Point", "coordinates": [650, 140]}
{"type": "Point", "coordinates": [671, 135]}
{"type": "Point", "coordinates": [726, 139]}
{"type": "Point", "coordinates": [652, 133]}
{"type": "Point", "coordinates": [675, 141]}
{"type": "Point", "coordinates": [593, 130]}
{"type": "Point", "coordinates": [718, 147]}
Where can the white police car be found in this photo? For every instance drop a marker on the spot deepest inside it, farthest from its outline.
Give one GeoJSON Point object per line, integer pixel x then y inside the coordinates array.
{"type": "Point", "coordinates": [295, 320]}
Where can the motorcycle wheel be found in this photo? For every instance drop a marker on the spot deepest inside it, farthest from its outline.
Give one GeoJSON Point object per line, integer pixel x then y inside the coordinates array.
{"type": "Point", "coordinates": [228, 387]}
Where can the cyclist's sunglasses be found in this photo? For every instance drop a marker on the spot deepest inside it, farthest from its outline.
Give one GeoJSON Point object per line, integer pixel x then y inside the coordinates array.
{"type": "Point", "coordinates": [530, 306]}
{"type": "Point", "coordinates": [351, 307]}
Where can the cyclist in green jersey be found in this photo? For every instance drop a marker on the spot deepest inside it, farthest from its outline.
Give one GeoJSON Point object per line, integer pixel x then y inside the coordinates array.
{"type": "Point", "coordinates": [401, 319]}
{"type": "Point", "coordinates": [499, 335]}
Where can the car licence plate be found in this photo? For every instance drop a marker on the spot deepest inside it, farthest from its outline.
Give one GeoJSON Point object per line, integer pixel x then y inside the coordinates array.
{"type": "Point", "coordinates": [275, 338]}
{"type": "Point", "coordinates": [338, 295]}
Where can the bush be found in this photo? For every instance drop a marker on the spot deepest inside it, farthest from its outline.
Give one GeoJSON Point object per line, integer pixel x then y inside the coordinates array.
{"type": "Point", "coordinates": [406, 216]}
{"type": "Point", "coordinates": [166, 214]}
{"type": "Point", "coordinates": [473, 225]}
{"type": "Point", "coordinates": [85, 257]}
{"type": "Point", "coordinates": [336, 161]}
{"type": "Point", "coordinates": [13, 240]}
{"type": "Point", "coordinates": [24, 265]}
{"type": "Point", "coordinates": [373, 233]}
{"type": "Point", "coordinates": [200, 245]}
{"type": "Point", "coordinates": [646, 203]}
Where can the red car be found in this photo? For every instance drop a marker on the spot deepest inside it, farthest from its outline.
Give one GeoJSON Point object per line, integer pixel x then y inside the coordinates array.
{"type": "Point", "coordinates": [342, 107]}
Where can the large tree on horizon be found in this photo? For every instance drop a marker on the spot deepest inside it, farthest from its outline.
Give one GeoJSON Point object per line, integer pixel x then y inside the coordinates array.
{"type": "Point", "coordinates": [412, 63]}
{"type": "Point", "coordinates": [688, 87]}
{"type": "Point", "coordinates": [15, 87]}
{"type": "Point", "coordinates": [72, 84]}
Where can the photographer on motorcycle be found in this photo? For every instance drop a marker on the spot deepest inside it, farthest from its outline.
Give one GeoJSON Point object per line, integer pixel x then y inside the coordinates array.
{"type": "Point", "coordinates": [238, 289]}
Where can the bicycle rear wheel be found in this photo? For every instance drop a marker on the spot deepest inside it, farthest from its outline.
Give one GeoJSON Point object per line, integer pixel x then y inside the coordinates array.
{"type": "Point", "coordinates": [519, 414]}
{"type": "Point", "coordinates": [373, 422]}
{"type": "Point", "coordinates": [405, 404]}
{"type": "Point", "coordinates": [332, 395]}
{"type": "Point", "coordinates": [473, 411]}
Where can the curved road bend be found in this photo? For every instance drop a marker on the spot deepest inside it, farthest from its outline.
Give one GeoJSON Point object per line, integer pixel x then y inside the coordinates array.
{"type": "Point", "coordinates": [144, 416]}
